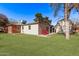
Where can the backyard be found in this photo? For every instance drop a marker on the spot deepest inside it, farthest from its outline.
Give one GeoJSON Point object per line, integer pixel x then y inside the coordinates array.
{"type": "Point", "coordinates": [30, 45]}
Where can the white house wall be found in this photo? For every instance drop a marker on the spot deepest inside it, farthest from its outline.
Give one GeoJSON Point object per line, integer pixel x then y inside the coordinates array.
{"type": "Point", "coordinates": [58, 29]}
{"type": "Point", "coordinates": [33, 30]}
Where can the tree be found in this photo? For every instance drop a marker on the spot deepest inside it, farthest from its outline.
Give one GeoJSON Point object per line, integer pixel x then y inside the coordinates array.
{"type": "Point", "coordinates": [38, 18]}
{"type": "Point", "coordinates": [3, 20]}
{"type": "Point", "coordinates": [47, 20]}
{"type": "Point", "coordinates": [24, 22]}
{"type": "Point", "coordinates": [67, 10]}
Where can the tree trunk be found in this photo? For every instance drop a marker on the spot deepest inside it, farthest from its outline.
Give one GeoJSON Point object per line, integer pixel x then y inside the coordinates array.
{"type": "Point", "coordinates": [66, 15]}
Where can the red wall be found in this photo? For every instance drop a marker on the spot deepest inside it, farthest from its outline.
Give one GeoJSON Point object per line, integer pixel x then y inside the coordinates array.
{"type": "Point", "coordinates": [16, 28]}
{"type": "Point", "coordinates": [43, 29]}
{"type": "Point", "coordinates": [44, 32]}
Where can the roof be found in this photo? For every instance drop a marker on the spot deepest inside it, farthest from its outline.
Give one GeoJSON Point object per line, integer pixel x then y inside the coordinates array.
{"type": "Point", "coordinates": [29, 24]}
{"type": "Point", "coordinates": [18, 23]}
{"type": "Point", "coordinates": [13, 24]}
{"type": "Point", "coordinates": [22, 24]}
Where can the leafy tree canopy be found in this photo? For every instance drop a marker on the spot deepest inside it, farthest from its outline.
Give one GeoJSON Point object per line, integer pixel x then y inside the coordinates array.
{"type": "Point", "coordinates": [3, 20]}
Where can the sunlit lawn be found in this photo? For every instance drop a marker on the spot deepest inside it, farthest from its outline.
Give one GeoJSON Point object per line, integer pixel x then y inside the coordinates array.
{"type": "Point", "coordinates": [29, 45]}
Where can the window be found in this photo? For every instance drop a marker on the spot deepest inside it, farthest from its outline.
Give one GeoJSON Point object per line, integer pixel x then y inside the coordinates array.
{"type": "Point", "coordinates": [29, 27]}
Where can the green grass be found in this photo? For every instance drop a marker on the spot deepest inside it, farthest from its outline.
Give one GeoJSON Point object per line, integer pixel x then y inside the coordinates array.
{"type": "Point", "coordinates": [29, 45]}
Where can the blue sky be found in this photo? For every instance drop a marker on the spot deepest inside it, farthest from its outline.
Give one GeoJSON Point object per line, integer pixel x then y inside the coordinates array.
{"type": "Point", "coordinates": [27, 11]}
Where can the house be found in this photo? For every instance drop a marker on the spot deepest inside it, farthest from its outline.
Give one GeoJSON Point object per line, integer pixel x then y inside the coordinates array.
{"type": "Point", "coordinates": [60, 26]}
{"type": "Point", "coordinates": [14, 27]}
{"type": "Point", "coordinates": [40, 27]}
{"type": "Point", "coordinates": [76, 27]}
{"type": "Point", "coordinates": [1, 29]}
{"type": "Point", "coordinates": [35, 29]}
{"type": "Point", "coordinates": [31, 28]}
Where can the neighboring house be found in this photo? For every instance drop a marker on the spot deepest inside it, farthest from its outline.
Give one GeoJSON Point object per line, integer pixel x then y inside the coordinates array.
{"type": "Point", "coordinates": [14, 28]}
{"type": "Point", "coordinates": [60, 26]}
{"type": "Point", "coordinates": [76, 27]}
{"type": "Point", "coordinates": [1, 29]}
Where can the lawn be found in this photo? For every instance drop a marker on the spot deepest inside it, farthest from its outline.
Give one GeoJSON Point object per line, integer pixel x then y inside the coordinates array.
{"type": "Point", "coordinates": [29, 45]}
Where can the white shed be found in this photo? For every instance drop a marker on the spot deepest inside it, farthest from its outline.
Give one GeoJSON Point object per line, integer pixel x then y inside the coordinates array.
{"type": "Point", "coordinates": [30, 29]}
{"type": "Point", "coordinates": [35, 28]}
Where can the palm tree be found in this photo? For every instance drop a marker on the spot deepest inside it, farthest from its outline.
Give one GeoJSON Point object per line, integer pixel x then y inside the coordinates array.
{"type": "Point", "coordinates": [38, 18]}
{"type": "Point", "coordinates": [67, 10]}
{"type": "Point", "coordinates": [47, 20]}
